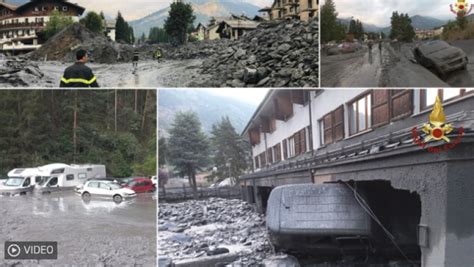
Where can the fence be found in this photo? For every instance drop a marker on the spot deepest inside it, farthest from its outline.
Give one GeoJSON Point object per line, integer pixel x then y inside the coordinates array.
{"type": "Point", "coordinates": [186, 192]}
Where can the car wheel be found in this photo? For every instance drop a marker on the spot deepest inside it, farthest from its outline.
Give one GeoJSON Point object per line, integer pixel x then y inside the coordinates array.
{"type": "Point", "coordinates": [86, 196]}
{"type": "Point", "coordinates": [118, 198]}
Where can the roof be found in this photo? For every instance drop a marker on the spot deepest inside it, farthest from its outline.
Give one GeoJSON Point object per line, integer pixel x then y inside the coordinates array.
{"type": "Point", "coordinates": [265, 9]}
{"type": "Point", "coordinates": [9, 6]}
{"type": "Point", "coordinates": [33, 2]}
{"type": "Point", "coordinates": [241, 24]}
{"type": "Point", "coordinates": [257, 111]}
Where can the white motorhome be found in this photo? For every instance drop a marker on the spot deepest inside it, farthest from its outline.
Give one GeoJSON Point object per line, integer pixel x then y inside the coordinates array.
{"type": "Point", "coordinates": [63, 176]}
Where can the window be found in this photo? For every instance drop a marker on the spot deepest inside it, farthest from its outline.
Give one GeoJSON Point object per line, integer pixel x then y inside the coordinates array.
{"type": "Point", "coordinates": [57, 171]}
{"type": "Point", "coordinates": [360, 114]}
{"type": "Point", "coordinates": [56, 8]}
{"type": "Point", "coordinates": [93, 185]}
{"type": "Point", "coordinates": [82, 176]}
{"type": "Point", "coordinates": [285, 149]}
{"type": "Point", "coordinates": [65, 8]}
{"type": "Point", "coordinates": [428, 96]}
{"type": "Point", "coordinates": [277, 153]}
{"type": "Point", "coordinates": [257, 163]}
{"type": "Point", "coordinates": [291, 147]}
{"type": "Point", "coordinates": [332, 126]}
{"type": "Point", "coordinates": [263, 160]}
{"type": "Point", "coordinates": [44, 8]}
{"type": "Point", "coordinates": [36, 9]}
{"type": "Point", "coordinates": [300, 142]}
{"type": "Point", "coordinates": [38, 179]}
{"type": "Point", "coordinates": [69, 177]}
{"type": "Point", "coordinates": [53, 181]}
{"type": "Point", "coordinates": [389, 105]}
{"type": "Point", "coordinates": [104, 186]}
{"type": "Point", "coordinates": [27, 182]}
{"type": "Point", "coordinates": [269, 156]}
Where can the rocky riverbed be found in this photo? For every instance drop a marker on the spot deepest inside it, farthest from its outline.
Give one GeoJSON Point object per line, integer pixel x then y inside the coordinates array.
{"type": "Point", "coordinates": [197, 229]}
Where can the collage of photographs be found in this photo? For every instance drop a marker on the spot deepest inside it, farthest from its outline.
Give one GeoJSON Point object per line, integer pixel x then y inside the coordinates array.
{"type": "Point", "coordinates": [235, 133]}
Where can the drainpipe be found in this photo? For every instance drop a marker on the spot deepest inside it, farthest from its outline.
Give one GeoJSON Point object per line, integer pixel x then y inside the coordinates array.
{"type": "Point", "coordinates": [266, 149]}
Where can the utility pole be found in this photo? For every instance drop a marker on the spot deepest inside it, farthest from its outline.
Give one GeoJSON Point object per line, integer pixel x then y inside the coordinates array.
{"type": "Point", "coordinates": [74, 128]}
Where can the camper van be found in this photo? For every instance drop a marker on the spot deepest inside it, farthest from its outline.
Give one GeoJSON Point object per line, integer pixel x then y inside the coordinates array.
{"type": "Point", "coordinates": [22, 181]}
{"type": "Point", "coordinates": [63, 176]}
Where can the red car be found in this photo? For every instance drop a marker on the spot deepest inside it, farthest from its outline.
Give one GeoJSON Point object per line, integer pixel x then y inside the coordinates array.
{"type": "Point", "coordinates": [141, 185]}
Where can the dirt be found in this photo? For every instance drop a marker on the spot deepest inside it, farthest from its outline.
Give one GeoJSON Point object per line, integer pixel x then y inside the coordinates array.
{"type": "Point", "coordinates": [464, 78]}
{"type": "Point", "coordinates": [390, 68]}
{"type": "Point", "coordinates": [149, 74]}
{"type": "Point", "coordinates": [98, 233]}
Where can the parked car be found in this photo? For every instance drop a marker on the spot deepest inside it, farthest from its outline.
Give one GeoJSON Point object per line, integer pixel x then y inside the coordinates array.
{"type": "Point", "coordinates": [141, 185]}
{"type": "Point", "coordinates": [105, 189]}
{"type": "Point", "coordinates": [79, 187]}
{"type": "Point", "coordinates": [124, 181]}
{"type": "Point", "coordinates": [440, 57]}
{"type": "Point", "coordinates": [16, 185]}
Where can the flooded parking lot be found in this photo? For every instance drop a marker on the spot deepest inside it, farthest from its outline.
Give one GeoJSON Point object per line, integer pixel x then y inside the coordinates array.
{"type": "Point", "coordinates": [98, 233]}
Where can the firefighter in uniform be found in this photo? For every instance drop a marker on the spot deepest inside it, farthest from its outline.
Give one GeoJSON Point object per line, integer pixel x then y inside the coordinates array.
{"type": "Point", "coordinates": [79, 75]}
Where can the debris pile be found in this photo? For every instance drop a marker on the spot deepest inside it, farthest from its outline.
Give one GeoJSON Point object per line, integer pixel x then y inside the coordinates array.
{"type": "Point", "coordinates": [196, 229]}
{"type": "Point", "coordinates": [276, 54]}
{"type": "Point", "coordinates": [18, 72]}
{"type": "Point", "coordinates": [193, 50]}
{"type": "Point", "coordinates": [62, 47]}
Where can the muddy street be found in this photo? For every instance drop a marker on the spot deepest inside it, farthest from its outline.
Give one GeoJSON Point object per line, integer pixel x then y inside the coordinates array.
{"type": "Point", "coordinates": [98, 233]}
{"type": "Point", "coordinates": [394, 67]}
{"type": "Point", "coordinates": [150, 74]}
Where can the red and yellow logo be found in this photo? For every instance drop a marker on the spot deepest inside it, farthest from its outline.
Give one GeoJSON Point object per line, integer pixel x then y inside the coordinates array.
{"type": "Point", "coordinates": [461, 8]}
{"type": "Point", "coordinates": [437, 130]}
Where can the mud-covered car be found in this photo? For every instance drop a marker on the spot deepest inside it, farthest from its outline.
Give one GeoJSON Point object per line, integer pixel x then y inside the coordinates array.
{"type": "Point", "coordinates": [440, 57]}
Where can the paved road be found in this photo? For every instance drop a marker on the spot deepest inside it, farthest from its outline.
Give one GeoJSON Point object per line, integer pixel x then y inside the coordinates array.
{"type": "Point", "coordinates": [97, 233]}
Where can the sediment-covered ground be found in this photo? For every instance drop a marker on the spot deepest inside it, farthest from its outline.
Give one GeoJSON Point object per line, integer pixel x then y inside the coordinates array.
{"type": "Point", "coordinates": [197, 229]}
{"type": "Point", "coordinates": [98, 233]}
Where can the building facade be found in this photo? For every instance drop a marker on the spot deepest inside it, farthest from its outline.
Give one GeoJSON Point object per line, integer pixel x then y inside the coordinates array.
{"type": "Point", "coordinates": [288, 9]}
{"type": "Point", "coordinates": [19, 25]}
{"type": "Point", "coordinates": [365, 137]}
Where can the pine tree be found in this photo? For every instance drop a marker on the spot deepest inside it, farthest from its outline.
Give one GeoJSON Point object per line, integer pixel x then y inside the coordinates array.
{"type": "Point", "coordinates": [331, 29]}
{"type": "Point", "coordinates": [93, 22]}
{"type": "Point", "coordinates": [188, 146]}
{"type": "Point", "coordinates": [179, 21]}
{"type": "Point", "coordinates": [230, 150]}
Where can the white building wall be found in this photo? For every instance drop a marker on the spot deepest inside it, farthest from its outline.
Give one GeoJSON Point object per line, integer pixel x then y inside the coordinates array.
{"type": "Point", "coordinates": [326, 102]}
{"type": "Point", "coordinates": [284, 129]}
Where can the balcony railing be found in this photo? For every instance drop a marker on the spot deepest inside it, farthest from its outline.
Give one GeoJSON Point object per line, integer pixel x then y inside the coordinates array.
{"type": "Point", "coordinates": [21, 25]}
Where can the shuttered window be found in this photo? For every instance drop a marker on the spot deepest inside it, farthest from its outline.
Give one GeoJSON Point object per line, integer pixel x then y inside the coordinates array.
{"type": "Point", "coordinates": [285, 150]}
{"type": "Point", "coordinates": [360, 114]}
{"type": "Point", "coordinates": [332, 125]}
{"type": "Point", "coordinates": [269, 156]}
{"type": "Point", "coordinates": [388, 105]}
{"type": "Point", "coordinates": [277, 153]}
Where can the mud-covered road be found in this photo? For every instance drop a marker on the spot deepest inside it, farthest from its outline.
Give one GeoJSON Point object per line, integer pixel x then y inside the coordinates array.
{"type": "Point", "coordinates": [391, 67]}
{"type": "Point", "coordinates": [98, 233]}
{"type": "Point", "coordinates": [149, 74]}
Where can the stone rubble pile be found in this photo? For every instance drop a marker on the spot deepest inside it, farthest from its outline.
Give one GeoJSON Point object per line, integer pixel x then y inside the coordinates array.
{"type": "Point", "coordinates": [62, 47]}
{"type": "Point", "coordinates": [194, 50]}
{"type": "Point", "coordinates": [18, 72]}
{"type": "Point", "coordinates": [194, 229]}
{"type": "Point", "coordinates": [276, 54]}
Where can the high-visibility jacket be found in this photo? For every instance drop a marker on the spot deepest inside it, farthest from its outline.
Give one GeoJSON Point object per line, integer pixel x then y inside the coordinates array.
{"type": "Point", "coordinates": [78, 75]}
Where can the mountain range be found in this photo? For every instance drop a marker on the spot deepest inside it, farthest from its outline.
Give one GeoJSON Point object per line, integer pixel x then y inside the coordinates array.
{"type": "Point", "coordinates": [417, 21]}
{"type": "Point", "coordinates": [210, 109]}
{"type": "Point", "coordinates": [203, 10]}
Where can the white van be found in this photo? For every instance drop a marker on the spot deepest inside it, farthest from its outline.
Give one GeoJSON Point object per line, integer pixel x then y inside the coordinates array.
{"type": "Point", "coordinates": [63, 176]}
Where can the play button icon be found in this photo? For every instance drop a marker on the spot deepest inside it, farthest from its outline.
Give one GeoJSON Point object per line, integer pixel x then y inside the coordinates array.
{"type": "Point", "coordinates": [14, 250]}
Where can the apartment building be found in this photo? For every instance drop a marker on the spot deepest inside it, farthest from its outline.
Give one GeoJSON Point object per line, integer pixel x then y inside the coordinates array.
{"type": "Point", "coordinates": [366, 138]}
{"type": "Point", "coordinates": [19, 25]}
{"type": "Point", "coordinates": [288, 9]}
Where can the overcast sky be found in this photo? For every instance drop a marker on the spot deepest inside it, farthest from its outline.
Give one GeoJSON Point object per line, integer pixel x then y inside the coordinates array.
{"type": "Point", "coordinates": [378, 12]}
{"type": "Point", "coordinates": [136, 9]}
{"type": "Point", "coordinates": [249, 95]}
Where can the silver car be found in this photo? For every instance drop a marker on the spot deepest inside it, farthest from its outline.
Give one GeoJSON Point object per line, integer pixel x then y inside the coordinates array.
{"type": "Point", "coordinates": [440, 57]}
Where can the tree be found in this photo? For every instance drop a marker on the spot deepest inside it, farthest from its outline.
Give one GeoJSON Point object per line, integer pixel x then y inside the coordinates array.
{"type": "Point", "coordinates": [93, 22]}
{"type": "Point", "coordinates": [123, 31]}
{"type": "Point", "coordinates": [402, 29]}
{"type": "Point", "coordinates": [230, 150]}
{"type": "Point", "coordinates": [57, 22]}
{"type": "Point", "coordinates": [187, 146]}
{"type": "Point", "coordinates": [179, 21]}
{"type": "Point", "coordinates": [331, 29]}
{"type": "Point", "coordinates": [158, 35]}
{"type": "Point", "coordinates": [162, 151]}
{"type": "Point", "coordinates": [462, 22]}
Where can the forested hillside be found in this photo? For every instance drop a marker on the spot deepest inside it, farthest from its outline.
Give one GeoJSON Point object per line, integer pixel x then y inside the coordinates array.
{"type": "Point", "coordinates": [112, 127]}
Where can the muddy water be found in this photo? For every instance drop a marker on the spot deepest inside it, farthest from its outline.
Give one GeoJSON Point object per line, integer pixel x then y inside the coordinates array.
{"type": "Point", "coordinates": [96, 233]}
